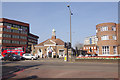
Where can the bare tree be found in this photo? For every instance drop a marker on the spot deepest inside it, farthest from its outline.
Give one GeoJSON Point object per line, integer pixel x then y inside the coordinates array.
{"type": "Point", "coordinates": [79, 45]}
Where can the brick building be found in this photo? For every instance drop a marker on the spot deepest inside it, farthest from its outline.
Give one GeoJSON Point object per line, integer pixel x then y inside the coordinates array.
{"type": "Point", "coordinates": [108, 35]}
{"type": "Point", "coordinates": [90, 44]}
{"type": "Point", "coordinates": [32, 40]}
{"type": "Point", "coordinates": [51, 47]}
{"type": "Point", "coordinates": [13, 33]}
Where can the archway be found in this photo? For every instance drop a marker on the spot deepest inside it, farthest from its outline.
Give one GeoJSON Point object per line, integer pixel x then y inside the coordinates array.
{"type": "Point", "coordinates": [50, 52]}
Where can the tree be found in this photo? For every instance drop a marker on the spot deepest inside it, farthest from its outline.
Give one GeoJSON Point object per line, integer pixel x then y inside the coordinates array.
{"type": "Point", "coordinates": [78, 45]}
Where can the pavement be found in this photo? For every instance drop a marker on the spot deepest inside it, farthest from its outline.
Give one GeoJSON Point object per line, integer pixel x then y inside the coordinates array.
{"type": "Point", "coordinates": [58, 68]}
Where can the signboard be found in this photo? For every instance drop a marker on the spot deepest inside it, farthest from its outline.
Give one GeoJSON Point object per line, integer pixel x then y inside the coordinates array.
{"type": "Point", "coordinates": [9, 27]}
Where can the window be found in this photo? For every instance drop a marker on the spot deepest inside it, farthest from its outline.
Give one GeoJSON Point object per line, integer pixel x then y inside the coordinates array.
{"type": "Point", "coordinates": [105, 28]}
{"type": "Point", "coordinates": [15, 42]}
{"type": "Point", "coordinates": [7, 30]}
{"type": "Point", "coordinates": [105, 37]}
{"type": "Point", "coordinates": [61, 52]}
{"type": "Point", "coordinates": [91, 47]}
{"type": "Point", "coordinates": [1, 24]}
{"type": "Point", "coordinates": [16, 26]}
{"type": "Point", "coordinates": [95, 51]}
{"type": "Point", "coordinates": [23, 42]}
{"type": "Point", "coordinates": [0, 41]}
{"type": "Point", "coordinates": [15, 31]}
{"type": "Point", "coordinates": [96, 31]}
{"type": "Point", "coordinates": [7, 24]}
{"type": "Point", "coordinates": [105, 49]}
{"type": "Point", "coordinates": [6, 41]}
{"type": "Point", "coordinates": [114, 37]}
{"type": "Point", "coordinates": [15, 36]}
{"type": "Point", "coordinates": [7, 35]}
{"type": "Point", "coordinates": [113, 28]}
{"type": "Point", "coordinates": [0, 35]}
{"type": "Point", "coordinates": [84, 48]}
{"type": "Point", "coordinates": [23, 37]}
{"type": "Point", "coordinates": [94, 47]}
{"type": "Point", "coordinates": [1, 29]}
{"type": "Point", "coordinates": [115, 49]}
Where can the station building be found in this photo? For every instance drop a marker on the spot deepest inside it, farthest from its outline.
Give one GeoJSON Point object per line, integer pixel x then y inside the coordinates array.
{"type": "Point", "coordinates": [108, 43]}
{"type": "Point", "coordinates": [14, 33]}
{"type": "Point", "coordinates": [51, 47]}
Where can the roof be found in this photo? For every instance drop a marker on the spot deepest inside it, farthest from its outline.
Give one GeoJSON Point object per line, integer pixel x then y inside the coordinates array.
{"type": "Point", "coordinates": [14, 21]}
{"type": "Point", "coordinates": [33, 35]}
{"type": "Point", "coordinates": [57, 41]}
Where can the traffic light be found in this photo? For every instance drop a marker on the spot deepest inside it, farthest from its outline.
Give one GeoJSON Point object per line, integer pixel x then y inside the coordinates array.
{"type": "Point", "coordinates": [69, 45]}
{"type": "Point", "coordinates": [65, 45]}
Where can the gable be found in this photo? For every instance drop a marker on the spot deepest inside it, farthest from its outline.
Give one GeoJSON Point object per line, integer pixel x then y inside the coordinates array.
{"type": "Point", "coordinates": [49, 42]}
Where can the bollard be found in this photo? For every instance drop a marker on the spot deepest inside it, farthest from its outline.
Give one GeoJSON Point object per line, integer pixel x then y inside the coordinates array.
{"type": "Point", "coordinates": [65, 58]}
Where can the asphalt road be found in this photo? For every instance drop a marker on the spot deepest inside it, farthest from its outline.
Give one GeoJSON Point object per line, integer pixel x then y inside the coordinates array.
{"type": "Point", "coordinates": [56, 68]}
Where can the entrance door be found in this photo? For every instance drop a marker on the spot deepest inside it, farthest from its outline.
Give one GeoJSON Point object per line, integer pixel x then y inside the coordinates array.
{"type": "Point", "coordinates": [50, 54]}
{"type": "Point", "coordinates": [49, 51]}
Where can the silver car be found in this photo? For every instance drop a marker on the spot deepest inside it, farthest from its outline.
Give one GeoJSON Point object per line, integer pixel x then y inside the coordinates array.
{"type": "Point", "coordinates": [29, 56]}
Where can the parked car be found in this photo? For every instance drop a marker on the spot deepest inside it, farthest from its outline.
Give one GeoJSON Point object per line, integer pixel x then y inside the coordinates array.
{"type": "Point", "coordinates": [29, 56]}
{"type": "Point", "coordinates": [12, 57]}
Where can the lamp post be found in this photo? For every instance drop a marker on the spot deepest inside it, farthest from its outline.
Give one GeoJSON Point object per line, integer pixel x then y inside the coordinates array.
{"type": "Point", "coordinates": [70, 28]}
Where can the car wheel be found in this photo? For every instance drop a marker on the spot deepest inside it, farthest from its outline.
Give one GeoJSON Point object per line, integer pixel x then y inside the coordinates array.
{"type": "Point", "coordinates": [32, 58]}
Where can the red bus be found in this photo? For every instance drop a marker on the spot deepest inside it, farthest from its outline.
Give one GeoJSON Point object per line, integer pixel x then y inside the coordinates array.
{"type": "Point", "coordinates": [13, 50]}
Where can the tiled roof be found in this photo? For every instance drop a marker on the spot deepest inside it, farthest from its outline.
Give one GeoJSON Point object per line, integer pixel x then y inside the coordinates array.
{"type": "Point", "coordinates": [57, 41]}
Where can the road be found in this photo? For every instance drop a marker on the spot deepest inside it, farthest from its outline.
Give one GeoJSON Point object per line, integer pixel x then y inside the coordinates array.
{"type": "Point", "coordinates": [55, 68]}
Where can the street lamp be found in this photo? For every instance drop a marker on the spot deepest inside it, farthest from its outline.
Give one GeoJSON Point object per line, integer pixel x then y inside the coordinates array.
{"type": "Point", "coordinates": [70, 23]}
{"type": "Point", "coordinates": [70, 28]}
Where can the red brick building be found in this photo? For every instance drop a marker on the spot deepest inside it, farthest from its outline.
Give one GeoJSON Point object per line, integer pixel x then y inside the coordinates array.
{"type": "Point", "coordinates": [90, 44]}
{"type": "Point", "coordinates": [13, 33]}
{"type": "Point", "coordinates": [32, 40]}
{"type": "Point", "coordinates": [108, 39]}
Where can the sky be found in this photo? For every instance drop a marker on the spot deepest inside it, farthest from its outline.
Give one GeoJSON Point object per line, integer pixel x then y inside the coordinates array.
{"type": "Point", "coordinates": [45, 16]}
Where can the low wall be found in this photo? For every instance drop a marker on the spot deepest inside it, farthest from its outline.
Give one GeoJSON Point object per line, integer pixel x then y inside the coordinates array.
{"type": "Point", "coordinates": [98, 60]}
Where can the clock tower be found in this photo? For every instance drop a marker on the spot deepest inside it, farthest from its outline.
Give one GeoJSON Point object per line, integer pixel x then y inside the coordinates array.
{"type": "Point", "coordinates": [53, 34]}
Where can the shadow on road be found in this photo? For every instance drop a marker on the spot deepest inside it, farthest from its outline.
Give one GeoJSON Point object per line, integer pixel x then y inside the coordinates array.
{"type": "Point", "coordinates": [29, 78]}
{"type": "Point", "coordinates": [9, 71]}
